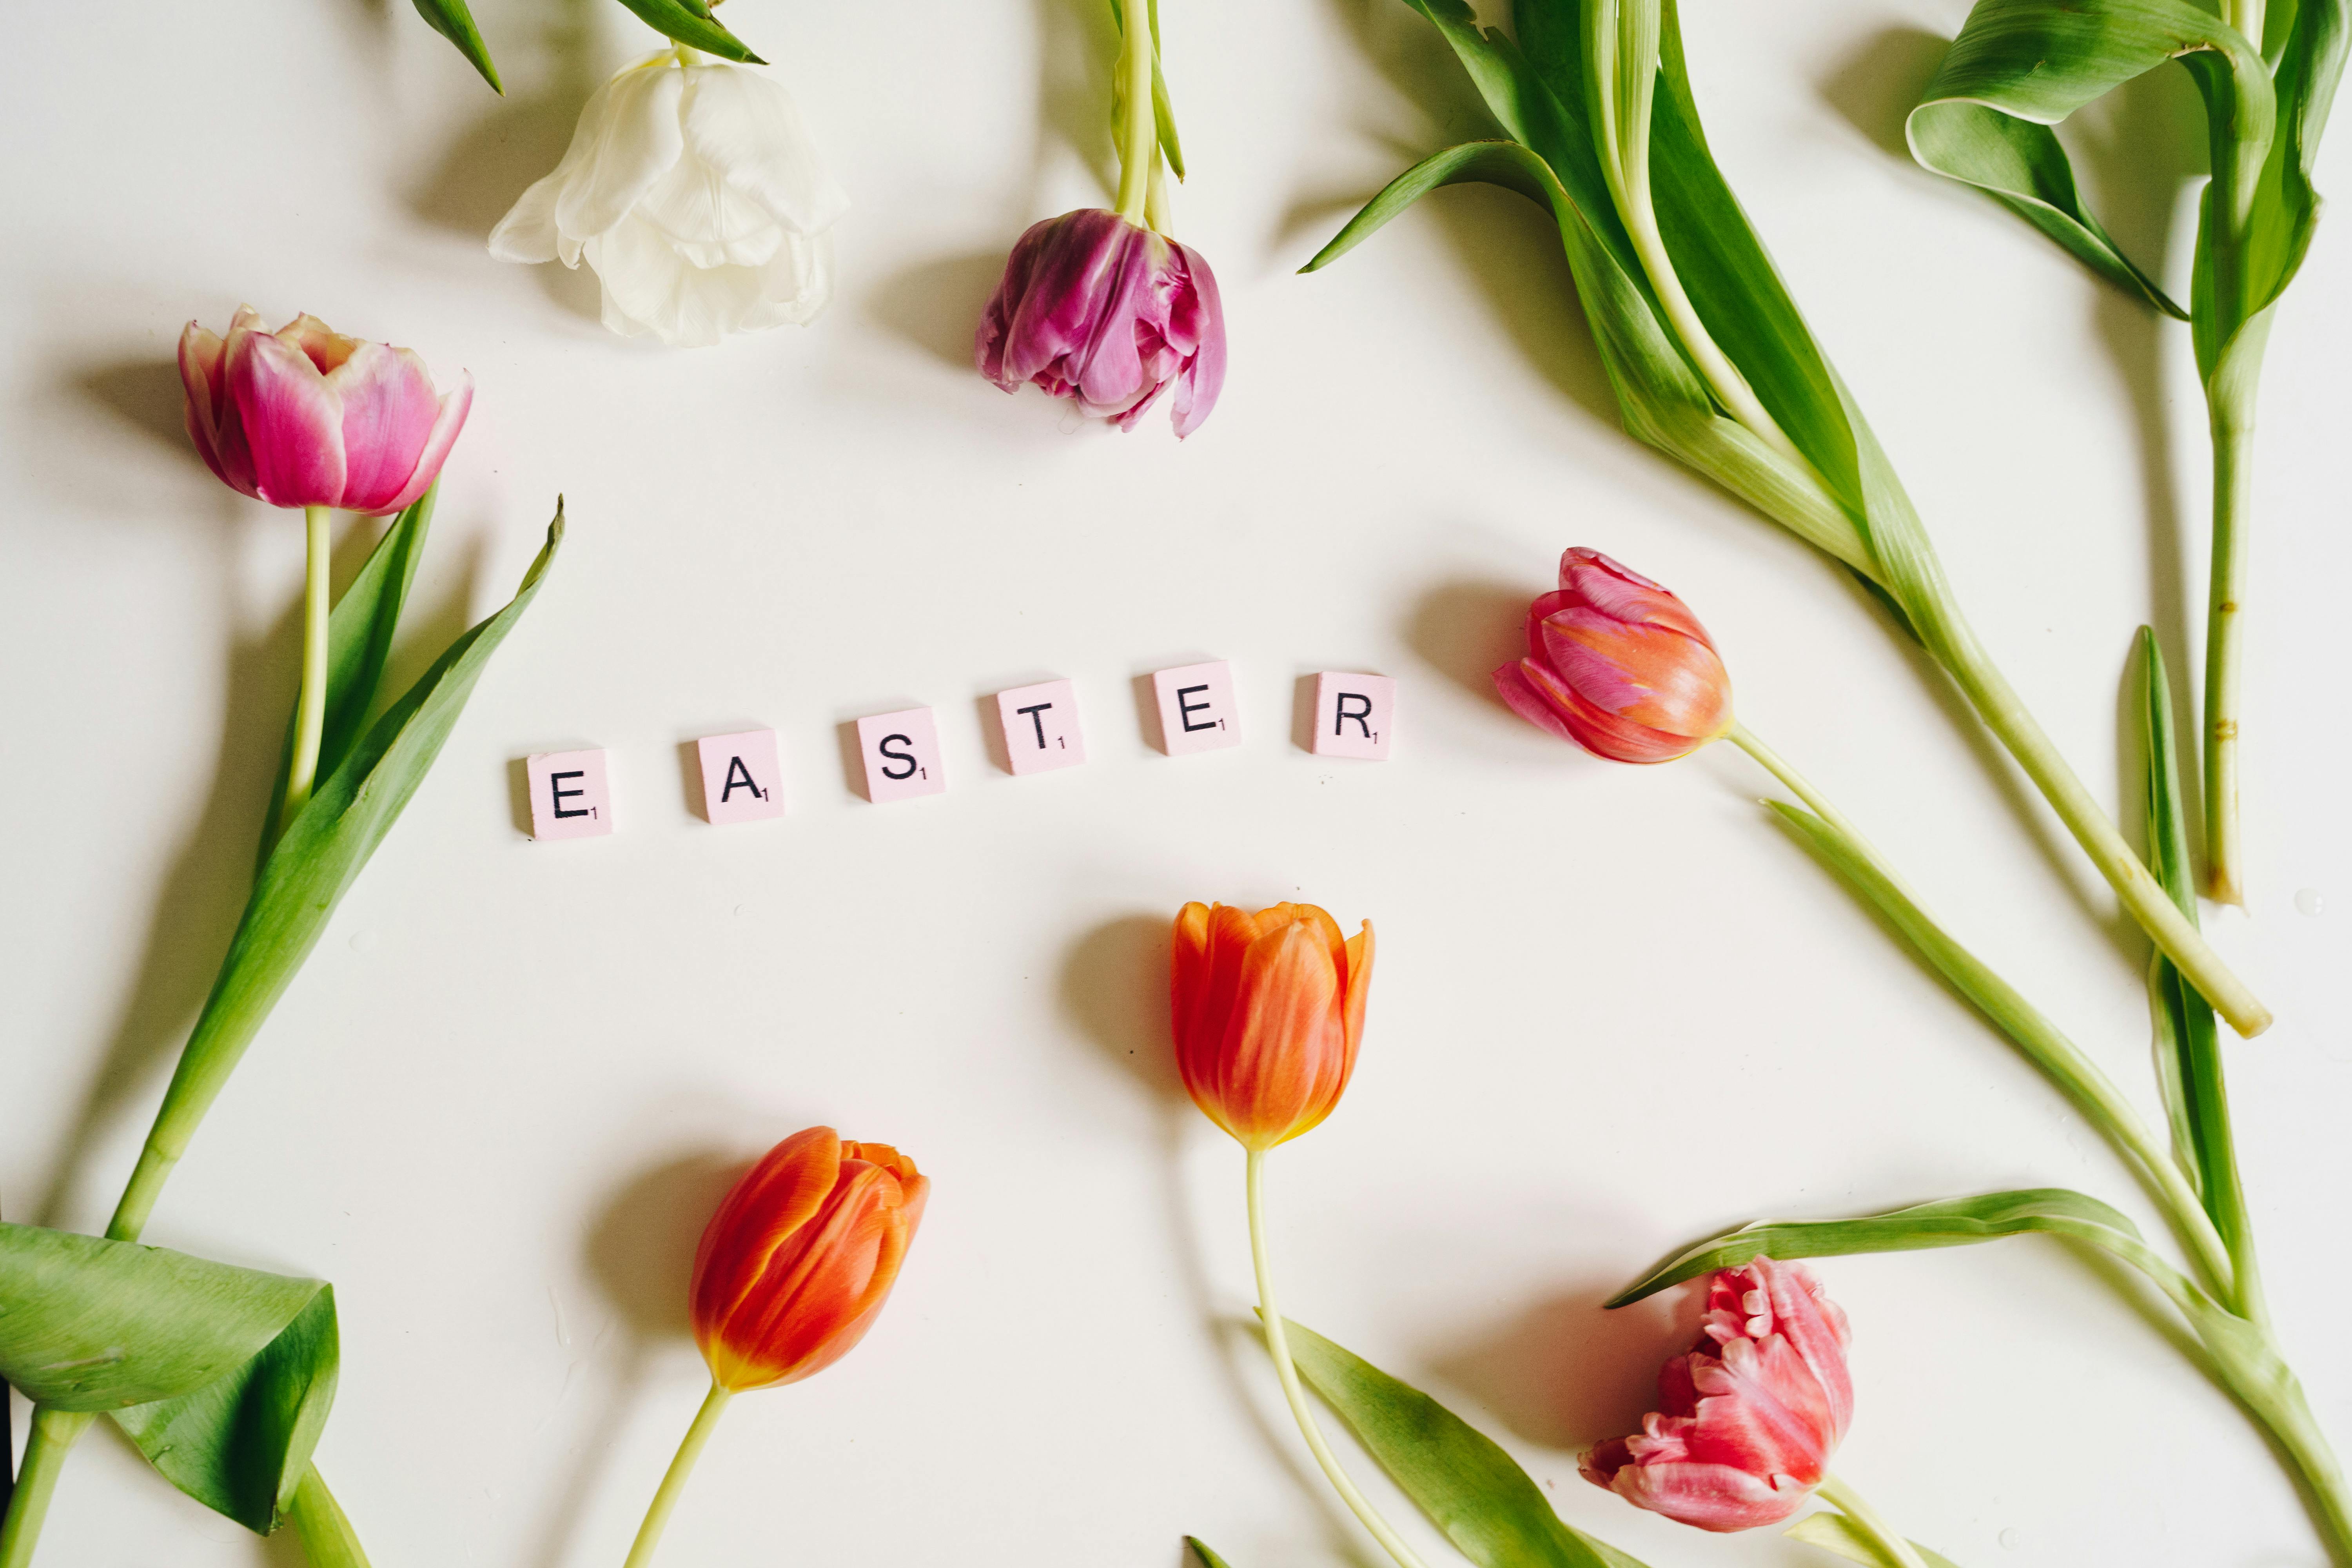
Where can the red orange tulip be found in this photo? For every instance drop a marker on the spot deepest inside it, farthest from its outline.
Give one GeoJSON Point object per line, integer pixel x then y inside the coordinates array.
{"type": "Point", "coordinates": [1268, 1009]}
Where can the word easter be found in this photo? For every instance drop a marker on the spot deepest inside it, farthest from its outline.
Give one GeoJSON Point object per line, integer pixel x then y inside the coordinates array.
{"type": "Point", "coordinates": [899, 754]}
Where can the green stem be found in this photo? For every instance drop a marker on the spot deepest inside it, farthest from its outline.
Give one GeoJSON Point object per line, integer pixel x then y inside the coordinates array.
{"type": "Point", "coordinates": [2230, 408]}
{"type": "Point", "coordinates": [53, 1436]}
{"type": "Point", "coordinates": [327, 1538]}
{"type": "Point", "coordinates": [1888, 1541]}
{"type": "Point", "coordinates": [1278, 1343]}
{"type": "Point", "coordinates": [2077, 1077]}
{"type": "Point", "coordinates": [1139, 125]}
{"type": "Point", "coordinates": [2277, 1405]}
{"type": "Point", "coordinates": [705, 1421]}
{"type": "Point", "coordinates": [311, 715]}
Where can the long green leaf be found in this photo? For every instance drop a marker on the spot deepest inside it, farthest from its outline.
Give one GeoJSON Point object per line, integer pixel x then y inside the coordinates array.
{"type": "Point", "coordinates": [1469, 1486]}
{"type": "Point", "coordinates": [1950, 1222]}
{"type": "Point", "coordinates": [454, 22]}
{"type": "Point", "coordinates": [223, 1376]}
{"type": "Point", "coordinates": [358, 645]}
{"type": "Point", "coordinates": [1835, 1532]}
{"type": "Point", "coordinates": [313, 866]}
{"type": "Point", "coordinates": [693, 26]}
{"type": "Point", "coordinates": [1200, 1550]}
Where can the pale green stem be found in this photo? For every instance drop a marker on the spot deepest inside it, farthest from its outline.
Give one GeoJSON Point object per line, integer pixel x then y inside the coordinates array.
{"type": "Point", "coordinates": [1848, 1501]}
{"type": "Point", "coordinates": [328, 1538]}
{"type": "Point", "coordinates": [53, 1436]}
{"type": "Point", "coordinates": [705, 1421]}
{"type": "Point", "coordinates": [2230, 409]}
{"type": "Point", "coordinates": [1155, 201]}
{"type": "Point", "coordinates": [1278, 1343]}
{"type": "Point", "coordinates": [1140, 126]}
{"type": "Point", "coordinates": [311, 713]}
{"type": "Point", "coordinates": [2077, 1077]}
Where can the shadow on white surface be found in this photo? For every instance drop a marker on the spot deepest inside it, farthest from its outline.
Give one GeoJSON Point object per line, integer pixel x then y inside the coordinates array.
{"type": "Point", "coordinates": [1565, 1373]}
{"type": "Point", "coordinates": [936, 305]}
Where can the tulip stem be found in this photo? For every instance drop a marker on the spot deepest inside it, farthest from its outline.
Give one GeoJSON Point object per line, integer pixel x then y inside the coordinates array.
{"type": "Point", "coordinates": [1772, 763]}
{"type": "Point", "coordinates": [52, 1437]}
{"type": "Point", "coordinates": [1278, 1343]}
{"type": "Point", "coordinates": [311, 711]}
{"type": "Point", "coordinates": [1138, 150]}
{"type": "Point", "coordinates": [1865, 1519]}
{"type": "Point", "coordinates": [705, 1421]}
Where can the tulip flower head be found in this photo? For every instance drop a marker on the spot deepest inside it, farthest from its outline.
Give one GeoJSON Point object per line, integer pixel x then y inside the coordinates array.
{"type": "Point", "coordinates": [1268, 1010]}
{"type": "Point", "coordinates": [693, 190]}
{"type": "Point", "coordinates": [794, 1266]}
{"type": "Point", "coordinates": [1750, 1415]}
{"type": "Point", "coordinates": [1109, 314]}
{"type": "Point", "coordinates": [1618, 664]}
{"type": "Point", "coordinates": [305, 417]}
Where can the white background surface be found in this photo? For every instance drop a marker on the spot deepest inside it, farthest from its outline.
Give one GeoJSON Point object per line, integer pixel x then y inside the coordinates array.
{"type": "Point", "coordinates": [1615, 1007]}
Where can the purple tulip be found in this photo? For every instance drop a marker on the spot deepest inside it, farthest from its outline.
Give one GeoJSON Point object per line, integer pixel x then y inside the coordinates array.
{"type": "Point", "coordinates": [1108, 313]}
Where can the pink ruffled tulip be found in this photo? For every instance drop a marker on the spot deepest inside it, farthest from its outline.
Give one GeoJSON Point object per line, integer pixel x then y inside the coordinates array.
{"type": "Point", "coordinates": [1107, 314]}
{"type": "Point", "coordinates": [305, 417]}
{"type": "Point", "coordinates": [1752, 1413]}
{"type": "Point", "coordinates": [1619, 666]}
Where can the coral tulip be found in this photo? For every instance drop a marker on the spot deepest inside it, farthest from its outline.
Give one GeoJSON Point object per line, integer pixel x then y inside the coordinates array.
{"type": "Point", "coordinates": [1750, 1415]}
{"type": "Point", "coordinates": [306, 416]}
{"type": "Point", "coordinates": [791, 1272]}
{"type": "Point", "coordinates": [1269, 1009]}
{"type": "Point", "coordinates": [1618, 664]}
{"type": "Point", "coordinates": [1108, 313]}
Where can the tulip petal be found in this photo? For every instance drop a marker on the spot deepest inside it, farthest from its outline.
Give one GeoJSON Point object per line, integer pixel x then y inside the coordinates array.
{"type": "Point", "coordinates": [290, 422]}
{"type": "Point", "coordinates": [527, 232]}
{"type": "Point", "coordinates": [448, 419]}
{"type": "Point", "coordinates": [202, 367]}
{"type": "Point", "coordinates": [632, 135]}
{"type": "Point", "coordinates": [1201, 321]}
{"type": "Point", "coordinates": [1710, 1497]}
{"type": "Point", "coordinates": [744, 126]}
{"type": "Point", "coordinates": [389, 410]}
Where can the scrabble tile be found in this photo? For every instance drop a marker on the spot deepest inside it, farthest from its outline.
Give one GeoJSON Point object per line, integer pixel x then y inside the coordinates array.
{"type": "Point", "coordinates": [1355, 715]}
{"type": "Point", "coordinates": [901, 753]}
{"type": "Point", "coordinates": [571, 795]}
{"type": "Point", "coordinates": [1041, 727]}
{"type": "Point", "coordinates": [1196, 708]}
{"type": "Point", "coordinates": [742, 779]}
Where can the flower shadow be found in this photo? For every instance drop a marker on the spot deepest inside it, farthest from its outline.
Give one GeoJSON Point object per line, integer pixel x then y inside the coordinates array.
{"type": "Point", "coordinates": [1563, 1373]}
{"type": "Point", "coordinates": [936, 305]}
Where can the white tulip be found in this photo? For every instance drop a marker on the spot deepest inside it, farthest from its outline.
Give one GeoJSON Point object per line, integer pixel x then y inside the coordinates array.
{"type": "Point", "coordinates": [692, 188]}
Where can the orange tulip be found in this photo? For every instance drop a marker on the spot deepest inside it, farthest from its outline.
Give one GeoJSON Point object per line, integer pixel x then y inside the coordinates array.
{"type": "Point", "coordinates": [1269, 1009]}
{"type": "Point", "coordinates": [795, 1265]}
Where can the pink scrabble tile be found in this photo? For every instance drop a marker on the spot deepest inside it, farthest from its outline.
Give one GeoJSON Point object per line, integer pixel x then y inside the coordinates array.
{"type": "Point", "coordinates": [1041, 727]}
{"type": "Point", "coordinates": [901, 753]}
{"type": "Point", "coordinates": [1196, 708]}
{"type": "Point", "coordinates": [742, 779]}
{"type": "Point", "coordinates": [571, 795]}
{"type": "Point", "coordinates": [1355, 715]}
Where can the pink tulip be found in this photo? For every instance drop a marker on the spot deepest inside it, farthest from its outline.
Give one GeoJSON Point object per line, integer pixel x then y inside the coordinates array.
{"type": "Point", "coordinates": [1619, 666]}
{"type": "Point", "coordinates": [1107, 314]}
{"type": "Point", "coordinates": [1752, 1413]}
{"type": "Point", "coordinates": [305, 417]}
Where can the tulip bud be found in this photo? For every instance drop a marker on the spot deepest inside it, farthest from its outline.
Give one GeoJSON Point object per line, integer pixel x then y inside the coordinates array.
{"type": "Point", "coordinates": [794, 1266]}
{"type": "Point", "coordinates": [1268, 1010]}
{"type": "Point", "coordinates": [1619, 666]}
{"type": "Point", "coordinates": [1107, 314]}
{"type": "Point", "coordinates": [305, 417]}
{"type": "Point", "coordinates": [1750, 1415]}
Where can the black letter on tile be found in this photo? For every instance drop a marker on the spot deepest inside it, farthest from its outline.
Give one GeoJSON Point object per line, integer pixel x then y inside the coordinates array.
{"type": "Point", "coordinates": [1033, 713]}
{"type": "Point", "coordinates": [1186, 709]}
{"type": "Point", "coordinates": [1362, 716]}
{"type": "Point", "coordinates": [739, 778]}
{"type": "Point", "coordinates": [560, 794]}
{"type": "Point", "coordinates": [906, 757]}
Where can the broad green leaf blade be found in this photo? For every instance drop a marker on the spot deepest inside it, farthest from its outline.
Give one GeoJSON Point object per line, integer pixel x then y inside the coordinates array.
{"type": "Point", "coordinates": [1950, 1222]}
{"type": "Point", "coordinates": [454, 22]}
{"type": "Point", "coordinates": [1200, 1550]}
{"type": "Point", "coordinates": [2187, 1036]}
{"type": "Point", "coordinates": [323, 852]}
{"type": "Point", "coordinates": [1505, 163]}
{"type": "Point", "coordinates": [327, 1538]}
{"type": "Point", "coordinates": [93, 1324]}
{"type": "Point", "coordinates": [1470, 1489]}
{"type": "Point", "coordinates": [223, 1376]}
{"type": "Point", "coordinates": [1835, 1532]}
{"type": "Point", "coordinates": [359, 643]}
{"type": "Point", "coordinates": [690, 23]}
{"type": "Point", "coordinates": [241, 1443]}
{"type": "Point", "coordinates": [2020, 164]}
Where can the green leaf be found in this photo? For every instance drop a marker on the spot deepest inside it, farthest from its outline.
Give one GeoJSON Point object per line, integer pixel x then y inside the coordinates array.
{"type": "Point", "coordinates": [223, 1376]}
{"type": "Point", "coordinates": [1470, 1489]}
{"type": "Point", "coordinates": [689, 22]}
{"type": "Point", "coordinates": [327, 1538]}
{"type": "Point", "coordinates": [1200, 1550]}
{"type": "Point", "coordinates": [2187, 1036]}
{"type": "Point", "coordinates": [1951, 1222]}
{"type": "Point", "coordinates": [314, 864]}
{"type": "Point", "coordinates": [359, 644]}
{"type": "Point", "coordinates": [454, 22]}
{"type": "Point", "coordinates": [1835, 1532]}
